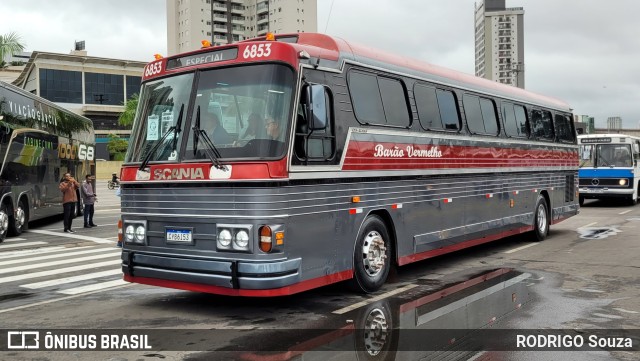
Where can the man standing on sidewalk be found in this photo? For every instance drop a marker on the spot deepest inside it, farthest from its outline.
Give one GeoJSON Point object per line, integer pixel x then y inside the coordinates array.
{"type": "Point", "coordinates": [88, 198]}
{"type": "Point", "coordinates": [68, 186]}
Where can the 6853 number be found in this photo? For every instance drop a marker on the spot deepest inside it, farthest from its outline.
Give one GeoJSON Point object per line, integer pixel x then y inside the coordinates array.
{"type": "Point", "coordinates": [257, 51]}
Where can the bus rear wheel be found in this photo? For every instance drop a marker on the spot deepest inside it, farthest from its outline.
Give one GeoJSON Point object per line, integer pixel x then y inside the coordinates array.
{"type": "Point", "coordinates": [4, 221]}
{"type": "Point", "coordinates": [541, 220]}
{"type": "Point", "coordinates": [372, 256]}
{"type": "Point", "coordinates": [19, 219]}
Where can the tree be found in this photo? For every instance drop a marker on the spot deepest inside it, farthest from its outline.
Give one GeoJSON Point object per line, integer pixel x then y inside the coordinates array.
{"type": "Point", "coordinates": [9, 45]}
{"type": "Point", "coordinates": [129, 114]}
{"type": "Point", "coordinates": [117, 147]}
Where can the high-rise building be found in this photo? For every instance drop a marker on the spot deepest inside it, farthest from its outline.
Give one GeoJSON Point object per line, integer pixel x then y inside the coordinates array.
{"type": "Point", "coordinates": [614, 123]}
{"type": "Point", "coordinates": [499, 35]}
{"type": "Point", "coordinates": [227, 21]}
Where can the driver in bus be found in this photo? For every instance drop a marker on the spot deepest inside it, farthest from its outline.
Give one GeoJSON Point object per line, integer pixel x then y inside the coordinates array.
{"type": "Point", "coordinates": [219, 135]}
{"type": "Point", "coordinates": [273, 129]}
{"type": "Point", "coordinates": [251, 131]}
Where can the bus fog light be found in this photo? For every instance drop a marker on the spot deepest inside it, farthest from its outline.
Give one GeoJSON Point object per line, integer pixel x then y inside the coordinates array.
{"type": "Point", "coordinates": [622, 182]}
{"type": "Point", "coordinates": [129, 233]}
{"type": "Point", "coordinates": [140, 233]}
{"type": "Point", "coordinates": [224, 238]}
{"type": "Point", "coordinates": [241, 240]}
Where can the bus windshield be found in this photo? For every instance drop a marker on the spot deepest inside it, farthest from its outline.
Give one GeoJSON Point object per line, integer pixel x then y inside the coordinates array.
{"type": "Point", "coordinates": [243, 111]}
{"type": "Point", "coordinates": [605, 155]}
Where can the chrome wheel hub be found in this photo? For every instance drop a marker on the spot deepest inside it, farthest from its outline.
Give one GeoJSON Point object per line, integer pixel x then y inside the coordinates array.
{"type": "Point", "coordinates": [373, 253]}
{"type": "Point", "coordinates": [4, 222]}
{"type": "Point", "coordinates": [376, 330]}
{"type": "Point", "coordinates": [20, 217]}
{"type": "Point", "coordinates": [542, 219]}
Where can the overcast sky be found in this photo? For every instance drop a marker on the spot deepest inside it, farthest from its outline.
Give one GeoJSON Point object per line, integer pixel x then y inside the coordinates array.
{"type": "Point", "coordinates": [585, 52]}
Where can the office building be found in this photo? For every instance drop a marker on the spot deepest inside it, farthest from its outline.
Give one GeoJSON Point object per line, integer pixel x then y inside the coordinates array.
{"type": "Point", "coordinates": [499, 39]}
{"type": "Point", "coordinates": [227, 21]}
{"type": "Point", "coordinates": [614, 123]}
{"type": "Point", "coordinates": [94, 87]}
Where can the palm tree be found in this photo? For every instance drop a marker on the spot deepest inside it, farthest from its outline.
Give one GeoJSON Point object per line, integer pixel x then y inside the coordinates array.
{"type": "Point", "coordinates": [9, 45]}
{"type": "Point", "coordinates": [126, 118]}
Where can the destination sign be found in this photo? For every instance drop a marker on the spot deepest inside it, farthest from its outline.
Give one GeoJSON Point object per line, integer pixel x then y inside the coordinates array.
{"type": "Point", "coordinates": [203, 58]}
{"type": "Point", "coordinates": [596, 140]}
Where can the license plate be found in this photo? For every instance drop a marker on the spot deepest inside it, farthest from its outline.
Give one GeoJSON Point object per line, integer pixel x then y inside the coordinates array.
{"type": "Point", "coordinates": [595, 190]}
{"type": "Point", "coordinates": [178, 235]}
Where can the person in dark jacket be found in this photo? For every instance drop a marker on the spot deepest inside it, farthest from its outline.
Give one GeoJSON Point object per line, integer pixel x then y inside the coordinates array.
{"type": "Point", "coordinates": [88, 199]}
{"type": "Point", "coordinates": [68, 186]}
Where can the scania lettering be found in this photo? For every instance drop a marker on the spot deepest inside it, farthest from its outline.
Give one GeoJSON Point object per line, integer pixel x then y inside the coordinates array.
{"type": "Point", "coordinates": [303, 160]}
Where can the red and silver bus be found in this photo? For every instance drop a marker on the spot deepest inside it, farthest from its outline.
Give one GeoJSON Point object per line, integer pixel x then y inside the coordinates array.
{"type": "Point", "coordinates": [273, 166]}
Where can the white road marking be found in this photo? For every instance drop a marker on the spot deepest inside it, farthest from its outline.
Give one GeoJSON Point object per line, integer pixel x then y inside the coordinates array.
{"type": "Point", "coordinates": [521, 247]}
{"type": "Point", "coordinates": [56, 263]}
{"type": "Point", "coordinates": [588, 225]}
{"type": "Point", "coordinates": [83, 277]}
{"type": "Point", "coordinates": [5, 246]}
{"type": "Point", "coordinates": [15, 239]}
{"type": "Point", "coordinates": [373, 299]}
{"type": "Point", "coordinates": [107, 210]}
{"type": "Point", "coordinates": [51, 256]}
{"type": "Point", "coordinates": [57, 299]}
{"type": "Point", "coordinates": [93, 287]}
{"type": "Point", "coordinates": [625, 212]}
{"type": "Point", "coordinates": [625, 311]}
{"type": "Point", "coordinates": [44, 250]}
{"type": "Point", "coordinates": [59, 271]}
{"type": "Point", "coordinates": [71, 235]}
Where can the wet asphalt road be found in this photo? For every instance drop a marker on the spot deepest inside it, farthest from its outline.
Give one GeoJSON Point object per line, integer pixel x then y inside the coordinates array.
{"type": "Point", "coordinates": [584, 276]}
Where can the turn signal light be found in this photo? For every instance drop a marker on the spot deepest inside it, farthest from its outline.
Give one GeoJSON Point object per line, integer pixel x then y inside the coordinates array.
{"type": "Point", "coordinates": [266, 243]}
{"type": "Point", "coordinates": [206, 44]}
{"type": "Point", "coordinates": [271, 37]}
{"type": "Point", "coordinates": [157, 56]}
{"type": "Point", "coordinates": [120, 230]}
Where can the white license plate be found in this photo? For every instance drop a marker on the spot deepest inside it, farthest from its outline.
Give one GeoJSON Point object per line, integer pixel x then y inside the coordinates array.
{"type": "Point", "coordinates": [596, 190]}
{"type": "Point", "coordinates": [179, 235]}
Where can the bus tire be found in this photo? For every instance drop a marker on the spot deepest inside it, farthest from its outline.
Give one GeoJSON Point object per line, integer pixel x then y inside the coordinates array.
{"type": "Point", "coordinates": [372, 256]}
{"type": "Point", "coordinates": [541, 220]}
{"type": "Point", "coordinates": [4, 221]}
{"type": "Point", "coordinates": [581, 200]}
{"type": "Point", "coordinates": [18, 222]}
{"type": "Point", "coordinates": [376, 336]}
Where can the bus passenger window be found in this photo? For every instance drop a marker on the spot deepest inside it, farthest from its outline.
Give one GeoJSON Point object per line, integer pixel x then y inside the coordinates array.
{"type": "Point", "coordinates": [473, 113]}
{"type": "Point", "coordinates": [394, 101]}
{"type": "Point", "coordinates": [365, 95]}
{"type": "Point", "coordinates": [563, 129]}
{"type": "Point", "coordinates": [427, 105]}
{"type": "Point", "coordinates": [448, 109]}
{"type": "Point", "coordinates": [489, 116]}
{"type": "Point", "coordinates": [521, 120]}
{"type": "Point", "coordinates": [541, 124]}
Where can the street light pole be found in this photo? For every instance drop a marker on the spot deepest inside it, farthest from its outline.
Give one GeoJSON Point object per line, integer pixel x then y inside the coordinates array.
{"type": "Point", "coordinates": [517, 68]}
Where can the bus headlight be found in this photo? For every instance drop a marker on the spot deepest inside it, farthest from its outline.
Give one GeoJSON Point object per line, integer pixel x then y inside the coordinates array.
{"type": "Point", "coordinates": [140, 234]}
{"type": "Point", "coordinates": [129, 233]}
{"type": "Point", "coordinates": [224, 239]}
{"type": "Point", "coordinates": [241, 242]}
{"type": "Point", "coordinates": [622, 182]}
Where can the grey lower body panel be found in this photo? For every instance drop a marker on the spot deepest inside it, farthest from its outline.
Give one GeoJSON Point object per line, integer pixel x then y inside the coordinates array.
{"type": "Point", "coordinates": [215, 272]}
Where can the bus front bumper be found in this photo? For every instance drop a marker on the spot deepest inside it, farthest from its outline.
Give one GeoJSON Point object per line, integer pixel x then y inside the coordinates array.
{"type": "Point", "coordinates": [236, 274]}
{"type": "Point", "coordinates": [588, 192]}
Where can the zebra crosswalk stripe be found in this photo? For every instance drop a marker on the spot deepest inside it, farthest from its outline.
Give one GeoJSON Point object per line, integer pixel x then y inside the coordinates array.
{"type": "Point", "coordinates": [55, 263]}
{"type": "Point", "coordinates": [83, 277]}
{"type": "Point", "coordinates": [93, 287]}
{"type": "Point", "coordinates": [59, 271]}
{"type": "Point", "coordinates": [59, 255]}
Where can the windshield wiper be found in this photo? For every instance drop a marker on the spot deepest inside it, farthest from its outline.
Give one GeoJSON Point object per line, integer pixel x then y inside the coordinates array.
{"type": "Point", "coordinates": [211, 150]}
{"type": "Point", "coordinates": [173, 129]}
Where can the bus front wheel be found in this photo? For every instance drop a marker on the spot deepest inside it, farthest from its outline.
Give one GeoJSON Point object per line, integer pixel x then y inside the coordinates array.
{"type": "Point", "coordinates": [541, 219]}
{"type": "Point", "coordinates": [4, 221]}
{"type": "Point", "coordinates": [372, 256]}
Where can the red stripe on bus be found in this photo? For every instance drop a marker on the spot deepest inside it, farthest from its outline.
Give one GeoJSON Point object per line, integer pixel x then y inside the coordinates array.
{"type": "Point", "coordinates": [283, 291]}
{"type": "Point", "coordinates": [458, 246]}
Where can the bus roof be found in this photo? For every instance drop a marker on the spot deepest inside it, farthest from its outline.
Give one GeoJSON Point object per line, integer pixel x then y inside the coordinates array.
{"type": "Point", "coordinates": [337, 50]}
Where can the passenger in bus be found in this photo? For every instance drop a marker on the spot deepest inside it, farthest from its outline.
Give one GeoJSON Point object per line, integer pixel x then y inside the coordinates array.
{"type": "Point", "coordinates": [219, 135]}
{"type": "Point", "coordinates": [68, 186]}
{"type": "Point", "coordinates": [88, 199]}
{"type": "Point", "coordinates": [251, 131]}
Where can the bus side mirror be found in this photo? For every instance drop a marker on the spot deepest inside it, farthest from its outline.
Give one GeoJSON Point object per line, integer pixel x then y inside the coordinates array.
{"type": "Point", "coordinates": [317, 106]}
